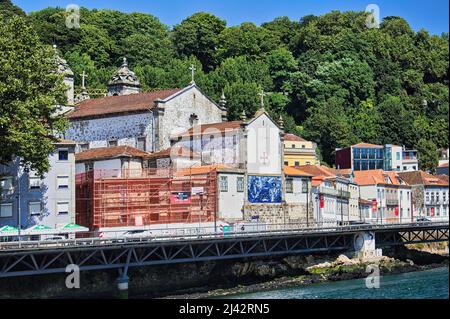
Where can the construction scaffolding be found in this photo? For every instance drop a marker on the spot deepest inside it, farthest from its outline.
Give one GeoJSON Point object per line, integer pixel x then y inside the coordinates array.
{"type": "Point", "coordinates": [127, 198]}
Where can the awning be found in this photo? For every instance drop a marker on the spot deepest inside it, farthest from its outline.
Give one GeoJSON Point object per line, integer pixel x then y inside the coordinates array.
{"type": "Point", "coordinates": [71, 228]}
{"type": "Point", "coordinates": [39, 230]}
{"type": "Point", "coordinates": [8, 231]}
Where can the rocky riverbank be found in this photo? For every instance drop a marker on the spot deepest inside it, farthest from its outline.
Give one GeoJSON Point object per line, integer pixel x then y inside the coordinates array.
{"type": "Point", "coordinates": [321, 269]}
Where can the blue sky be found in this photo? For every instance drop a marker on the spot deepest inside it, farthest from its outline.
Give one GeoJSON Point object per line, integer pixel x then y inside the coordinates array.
{"type": "Point", "coordinates": [429, 14]}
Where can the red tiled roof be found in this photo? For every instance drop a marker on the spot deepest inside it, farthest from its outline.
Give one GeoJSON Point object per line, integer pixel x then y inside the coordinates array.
{"type": "Point", "coordinates": [291, 171]}
{"type": "Point", "coordinates": [422, 178]}
{"type": "Point", "coordinates": [199, 170]}
{"type": "Point", "coordinates": [443, 165]}
{"type": "Point", "coordinates": [378, 176]}
{"type": "Point", "coordinates": [109, 152]}
{"type": "Point", "coordinates": [119, 104]}
{"type": "Point", "coordinates": [293, 138]}
{"type": "Point", "coordinates": [212, 128]}
{"type": "Point", "coordinates": [316, 170]}
{"type": "Point", "coordinates": [174, 151]}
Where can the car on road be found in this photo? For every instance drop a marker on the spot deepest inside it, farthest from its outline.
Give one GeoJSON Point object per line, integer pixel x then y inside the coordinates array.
{"type": "Point", "coordinates": [423, 219]}
{"type": "Point", "coordinates": [135, 236]}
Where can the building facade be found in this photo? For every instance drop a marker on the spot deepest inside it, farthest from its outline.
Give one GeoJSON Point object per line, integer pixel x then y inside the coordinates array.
{"type": "Point", "coordinates": [389, 193]}
{"type": "Point", "coordinates": [298, 151]}
{"type": "Point", "coordinates": [364, 156]}
{"type": "Point", "coordinates": [27, 200]}
{"type": "Point", "coordinates": [430, 195]}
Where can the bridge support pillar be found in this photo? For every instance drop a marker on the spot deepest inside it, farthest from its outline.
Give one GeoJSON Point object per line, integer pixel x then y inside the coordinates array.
{"type": "Point", "coordinates": [122, 286]}
{"type": "Point", "coordinates": [364, 246]}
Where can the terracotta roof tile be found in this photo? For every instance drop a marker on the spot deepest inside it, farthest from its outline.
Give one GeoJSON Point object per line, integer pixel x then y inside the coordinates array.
{"type": "Point", "coordinates": [174, 151]}
{"type": "Point", "coordinates": [291, 171]}
{"type": "Point", "coordinates": [119, 104]}
{"type": "Point", "coordinates": [293, 138]}
{"type": "Point", "coordinates": [443, 165]}
{"type": "Point", "coordinates": [378, 176]}
{"type": "Point", "coordinates": [109, 152]}
{"type": "Point", "coordinates": [199, 170]}
{"type": "Point", "coordinates": [212, 128]}
{"type": "Point", "coordinates": [422, 178]}
{"type": "Point", "coordinates": [316, 170]}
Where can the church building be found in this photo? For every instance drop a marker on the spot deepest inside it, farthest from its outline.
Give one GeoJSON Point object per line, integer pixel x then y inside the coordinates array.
{"type": "Point", "coordinates": [129, 117]}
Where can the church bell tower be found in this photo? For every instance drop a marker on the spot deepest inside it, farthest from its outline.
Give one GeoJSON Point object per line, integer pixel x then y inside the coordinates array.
{"type": "Point", "coordinates": [124, 81]}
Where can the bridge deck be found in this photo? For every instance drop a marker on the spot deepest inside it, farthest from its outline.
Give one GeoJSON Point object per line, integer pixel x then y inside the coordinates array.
{"type": "Point", "coordinates": [96, 254]}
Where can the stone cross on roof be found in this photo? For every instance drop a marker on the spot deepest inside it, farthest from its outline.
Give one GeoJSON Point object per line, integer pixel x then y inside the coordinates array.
{"type": "Point", "coordinates": [83, 79]}
{"type": "Point", "coordinates": [262, 94]}
{"type": "Point", "coordinates": [193, 69]}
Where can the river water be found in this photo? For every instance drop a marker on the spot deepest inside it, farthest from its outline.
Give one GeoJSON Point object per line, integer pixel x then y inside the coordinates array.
{"type": "Point", "coordinates": [430, 284]}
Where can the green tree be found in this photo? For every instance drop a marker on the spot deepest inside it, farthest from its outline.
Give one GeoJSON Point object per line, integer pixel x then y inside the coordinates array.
{"type": "Point", "coordinates": [29, 91]}
{"type": "Point", "coordinates": [429, 157]}
{"type": "Point", "coordinates": [8, 9]}
{"type": "Point", "coordinates": [247, 40]}
{"type": "Point", "coordinates": [198, 35]}
{"type": "Point", "coordinates": [242, 97]}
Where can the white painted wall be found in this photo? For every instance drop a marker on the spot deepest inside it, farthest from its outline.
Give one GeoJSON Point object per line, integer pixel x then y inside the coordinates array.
{"type": "Point", "coordinates": [177, 113]}
{"type": "Point", "coordinates": [230, 203]}
{"type": "Point", "coordinates": [263, 147]}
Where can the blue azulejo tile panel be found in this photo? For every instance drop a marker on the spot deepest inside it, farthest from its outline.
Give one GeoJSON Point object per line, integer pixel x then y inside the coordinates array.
{"type": "Point", "coordinates": [264, 189]}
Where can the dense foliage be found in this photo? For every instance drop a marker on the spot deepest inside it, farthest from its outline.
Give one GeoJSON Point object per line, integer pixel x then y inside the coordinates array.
{"type": "Point", "coordinates": [335, 81]}
{"type": "Point", "coordinates": [30, 89]}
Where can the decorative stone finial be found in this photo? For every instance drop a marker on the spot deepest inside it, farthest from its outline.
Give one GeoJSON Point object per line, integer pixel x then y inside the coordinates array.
{"type": "Point", "coordinates": [223, 101]}
{"type": "Point", "coordinates": [243, 116]}
{"type": "Point", "coordinates": [63, 66]}
{"type": "Point", "coordinates": [281, 122]}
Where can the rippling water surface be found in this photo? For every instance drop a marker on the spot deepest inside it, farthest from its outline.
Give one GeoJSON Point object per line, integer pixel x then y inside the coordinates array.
{"type": "Point", "coordinates": [430, 284]}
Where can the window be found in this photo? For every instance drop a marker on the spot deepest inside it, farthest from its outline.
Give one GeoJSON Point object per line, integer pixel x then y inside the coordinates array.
{"type": "Point", "coordinates": [303, 146]}
{"type": "Point", "coordinates": [308, 163]}
{"type": "Point", "coordinates": [224, 183]}
{"type": "Point", "coordinates": [304, 186]}
{"type": "Point", "coordinates": [234, 140]}
{"type": "Point", "coordinates": [63, 208]}
{"type": "Point", "coordinates": [397, 155]}
{"type": "Point", "coordinates": [6, 210]}
{"type": "Point", "coordinates": [63, 155]}
{"type": "Point", "coordinates": [34, 208]}
{"type": "Point", "coordinates": [34, 181]}
{"type": "Point", "coordinates": [286, 163]}
{"type": "Point", "coordinates": [112, 143]}
{"type": "Point", "coordinates": [293, 145]}
{"type": "Point", "coordinates": [141, 143]}
{"type": "Point", "coordinates": [6, 183]}
{"type": "Point", "coordinates": [289, 186]}
{"type": "Point", "coordinates": [63, 182]}
{"type": "Point", "coordinates": [240, 184]}
{"type": "Point", "coordinates": [297, 163]}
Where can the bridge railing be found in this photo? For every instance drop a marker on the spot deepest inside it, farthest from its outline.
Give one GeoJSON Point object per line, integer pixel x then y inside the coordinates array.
{"type": "Point", "coordinates": [208, 233]}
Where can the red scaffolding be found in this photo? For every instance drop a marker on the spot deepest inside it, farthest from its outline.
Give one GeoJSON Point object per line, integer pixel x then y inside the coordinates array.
{"type": "Point", "coordinates": [111, 198]}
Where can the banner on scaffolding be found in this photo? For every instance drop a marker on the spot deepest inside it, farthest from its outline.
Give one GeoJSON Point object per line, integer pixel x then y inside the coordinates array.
{"type": "Point", "coordinates": [180, 198]}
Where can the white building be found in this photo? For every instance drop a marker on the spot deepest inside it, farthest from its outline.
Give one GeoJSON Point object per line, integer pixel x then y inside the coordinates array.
{"type": "Point", "coordinates": [391, 193]}
{"type": "Point", "coordinates": [430, 195]}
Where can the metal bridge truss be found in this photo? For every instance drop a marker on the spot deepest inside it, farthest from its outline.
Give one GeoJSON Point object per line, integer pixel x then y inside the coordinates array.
{"type": "Point", "coordinates": [138, 255]}
{"type": "Point", "coordinates": [122, 256]}
{"type": "Point", "coordinates": [384, 239]}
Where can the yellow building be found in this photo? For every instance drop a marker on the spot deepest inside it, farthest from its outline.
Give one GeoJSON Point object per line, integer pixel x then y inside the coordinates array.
{"type": "Point", "coordinates": [298, 151]}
